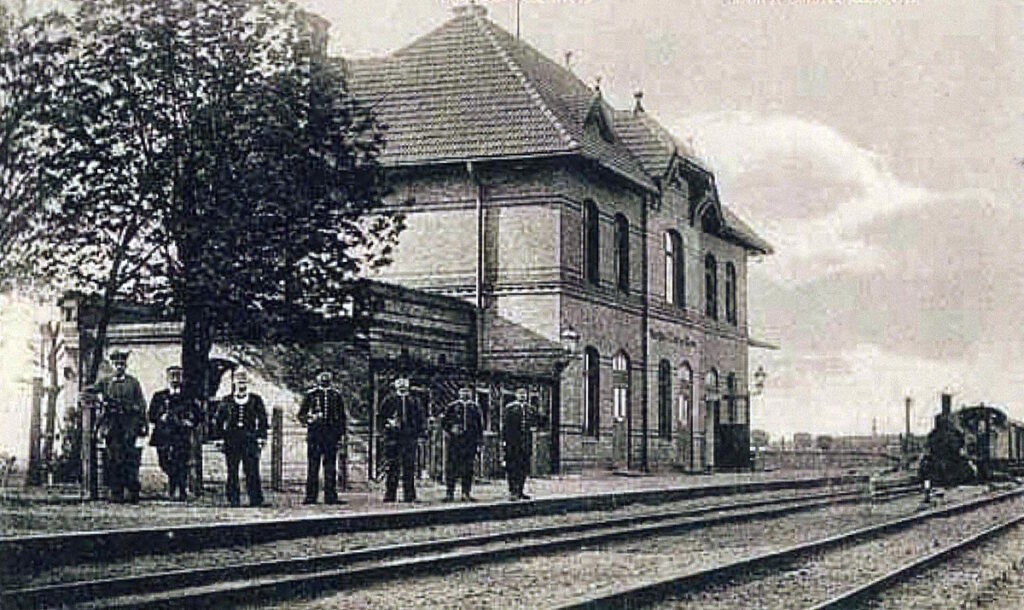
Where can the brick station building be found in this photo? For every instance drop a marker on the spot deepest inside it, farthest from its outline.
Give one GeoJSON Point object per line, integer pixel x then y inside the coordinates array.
{"type": "Point", "coordinates": [559, 216]}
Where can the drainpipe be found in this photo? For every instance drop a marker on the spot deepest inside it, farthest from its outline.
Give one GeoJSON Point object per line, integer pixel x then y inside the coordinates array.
{"type": "Point", "coordinates": [644, 323]}
{"type": "Point", "coordinates": [479, 288]}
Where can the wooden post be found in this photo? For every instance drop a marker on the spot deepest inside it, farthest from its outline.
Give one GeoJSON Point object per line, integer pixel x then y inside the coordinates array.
{"type": "Point", "coordinates": [343, 463]}
{"type": "Point", "coordinates": [276, 449]}
{"type": "Point", "coordinates": [371, 447]}
{"type": "Point", "coordinates": [90, 482]}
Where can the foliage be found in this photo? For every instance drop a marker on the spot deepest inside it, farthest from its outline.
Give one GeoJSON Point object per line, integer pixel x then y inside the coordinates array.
{"type": "Point", "coordinates": [31, 54]}
{"type": "Point", "coordinates": [215, 164]}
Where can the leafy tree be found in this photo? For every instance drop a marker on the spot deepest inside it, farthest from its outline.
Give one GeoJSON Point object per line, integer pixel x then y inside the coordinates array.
{"type": "Point", "coordinates": [214, 164]}
{"type": "Point", "coordinates": [31, 54]}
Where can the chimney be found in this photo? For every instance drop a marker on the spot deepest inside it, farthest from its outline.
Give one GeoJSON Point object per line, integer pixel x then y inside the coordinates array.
{"type": "Point", "coordinates": [472, 9]}
{"type": "Point", "coordinates": [568, 60]}
{"type": "Point", "coordinates": [639, 97]}
{"type": "Point", "coordinates": [947, 404]}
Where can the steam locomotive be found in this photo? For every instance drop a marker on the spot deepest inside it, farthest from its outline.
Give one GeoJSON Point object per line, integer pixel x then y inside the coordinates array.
{"type": "Point", "coordinates": [972, 444]}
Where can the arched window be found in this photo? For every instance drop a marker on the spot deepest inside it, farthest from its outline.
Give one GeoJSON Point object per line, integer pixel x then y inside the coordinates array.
{"type": "Point", "coordinates": [711, 286]}
{"type": "Point", "coordinates": [730, 293]}
{"type": "Point", "coordinates": [665, 400]}
{"type": "Point", "coordinates": [730, 398]}
{"type": "Point", "coordinates": [591, 392]}
{"type": "Point", "coordinates": [675, 269]}
{"type": "Point", "coordinates": [620, 384]}
{"type": "Point", "coordinates": [591, 243]}
{"type": "Point", "coordinates": [622, 253]}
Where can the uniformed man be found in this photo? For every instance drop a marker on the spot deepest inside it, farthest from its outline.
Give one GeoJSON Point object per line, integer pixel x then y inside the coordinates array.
{"type": "Point", "coordinates": [122, 423]}
{"type": "Point", "coordinates": [323, 414]}
{"type": "Point", "coordinates": [463, 425]}
{"type": "Point", "coordinates": [516, 424]}
{"type": "Point", "coordinates": [242, 424]}
{"type": "Point", "coordinates": [401, 422]}
{"type": "Point", "coordinates": [174, 419]}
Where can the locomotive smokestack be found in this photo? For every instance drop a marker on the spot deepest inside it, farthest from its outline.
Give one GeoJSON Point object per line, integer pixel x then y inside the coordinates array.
{"type": "Point", "coordinates": [947, 404]}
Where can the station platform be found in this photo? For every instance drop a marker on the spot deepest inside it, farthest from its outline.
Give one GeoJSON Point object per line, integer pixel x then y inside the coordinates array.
{"type": "Point", "coordinates": [26, 511]}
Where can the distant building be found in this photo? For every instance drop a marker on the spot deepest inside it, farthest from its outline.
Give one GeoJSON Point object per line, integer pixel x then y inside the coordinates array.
{"type": "Point", "coordinates": [527, 194]}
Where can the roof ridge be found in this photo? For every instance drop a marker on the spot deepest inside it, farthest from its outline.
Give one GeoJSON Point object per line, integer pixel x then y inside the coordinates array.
{"type": "Point", "coordinates": [531, 90]}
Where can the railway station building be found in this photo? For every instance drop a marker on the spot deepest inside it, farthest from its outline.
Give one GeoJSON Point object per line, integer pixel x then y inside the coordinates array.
{"type": "Point", "coordinates": [553, 242]}
{"type": "Point", "coordinates": [605, 270]}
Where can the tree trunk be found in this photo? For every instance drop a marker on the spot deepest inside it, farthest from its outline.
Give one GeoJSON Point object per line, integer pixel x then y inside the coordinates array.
{"type": "Point", "coordinates": [196, 342]}
{"type": "Point", "coordinates": [101, 338]}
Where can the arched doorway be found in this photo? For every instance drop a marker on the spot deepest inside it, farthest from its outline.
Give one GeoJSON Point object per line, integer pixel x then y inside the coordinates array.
{"type": "Point", "coordinates": [621, 411]}
{"type": "Point", "coordinates": [686, 420]}
{"type": "Point", "coordinates": [712, 415]}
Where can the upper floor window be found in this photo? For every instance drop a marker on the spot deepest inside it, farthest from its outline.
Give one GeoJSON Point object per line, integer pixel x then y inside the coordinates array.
{"type": "Point", "coordinates": [591, 392]}
{"type": "Point", "coordinates": [622, 253]}
{"type": "Point", "coordinates": [621, 383]}
{"type": "Point", "coordinates": [675, 269]}
{"type": "Point", "coordinates": [591, 243]}
{"type": "Point", "coordinates": [730, 293]}
{"type": "Point", "coordinates": [711, 286]}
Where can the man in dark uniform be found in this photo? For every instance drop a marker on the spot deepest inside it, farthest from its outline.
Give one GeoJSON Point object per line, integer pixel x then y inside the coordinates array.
{"type": "Point", "coordinates": [323, 414]}
{"type": "Point", "coordinates": [122, 422]}
{"type": "Point", "coordinates": [242, 424]}
{"type": "Point", "coordinates": [464, 430]}
{"type": "Point", "coordinates": [401, 422]}
{"type": "Point", "coordinates": [174, 418]}
{"type": "Point", "coordinates": [516, 435]}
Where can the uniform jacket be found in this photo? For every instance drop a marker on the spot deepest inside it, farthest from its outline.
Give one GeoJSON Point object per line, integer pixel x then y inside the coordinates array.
{"type": "Point", "coordinates": [323, 412]}
{"type": "Point", "coordinates": [124, 413]}
{"type": "Point", "coordinates": [516, 425]}
{"type": "Point", "coordinates": [246, 421]}
{"type": "Point", "coordinates": [401, 418]}
{"type": "Point", "coordinates": [182, 417]}
{"type": "Point", "coordinates": [463, 420]}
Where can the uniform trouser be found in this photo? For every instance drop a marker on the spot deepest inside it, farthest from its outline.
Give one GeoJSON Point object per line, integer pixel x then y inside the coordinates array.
{"type": "Point", "coordinates": [459, 466]}
{"type": "Point", "coordinates": [319, 448]}
{"type": "Point", "coordinates": [401, 459]}
{"type": "Point", "coordinates": [516, 468]}
{"type": "Point", "coordinates": [173, 456]}
{"type": "Point", "coordinates": [122, 464]}
{"type": "Point", "coordinates": [246, 452]}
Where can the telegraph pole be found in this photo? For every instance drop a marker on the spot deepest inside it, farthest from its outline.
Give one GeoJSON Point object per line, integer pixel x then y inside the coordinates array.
{"type": "Point", "coordinates": [906, 438]}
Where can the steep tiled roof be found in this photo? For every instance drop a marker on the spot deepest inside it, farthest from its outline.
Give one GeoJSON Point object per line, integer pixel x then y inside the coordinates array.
{"type": "Point", "coordinates": [469, 90]}
{"type": "Point", "coordinates": [653, 145]}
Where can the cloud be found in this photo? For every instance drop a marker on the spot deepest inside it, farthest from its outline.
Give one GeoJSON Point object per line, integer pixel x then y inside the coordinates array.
{"type": "Point", "coordinates": [809, 189]}
{"type": "Point", "coordinates": [880, 287]}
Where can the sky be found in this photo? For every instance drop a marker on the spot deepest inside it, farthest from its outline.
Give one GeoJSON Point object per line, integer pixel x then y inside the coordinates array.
{"type": "Point", "coordinates": [877, 144]}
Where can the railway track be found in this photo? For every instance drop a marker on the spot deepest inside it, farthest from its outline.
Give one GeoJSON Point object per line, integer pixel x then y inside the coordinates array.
{"type": "Point", "coordinates": [263, 581]}
{"type": "Point", "coordinates": [774, 570]}
{"type": "Point", "coordinates": [863, 595]}
{"type": "Point", "coordinates": [70, 548]}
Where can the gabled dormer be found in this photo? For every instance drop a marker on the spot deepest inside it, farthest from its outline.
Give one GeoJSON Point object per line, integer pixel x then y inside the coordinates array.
{"type": "Point", "coordinates": [599, 119]}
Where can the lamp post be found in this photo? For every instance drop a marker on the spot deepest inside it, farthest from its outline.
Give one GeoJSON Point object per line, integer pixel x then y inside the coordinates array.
{"type": "Point", "coordinates": [757, 390]}
{"type": "Point", "coordinates": [569, 341]}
